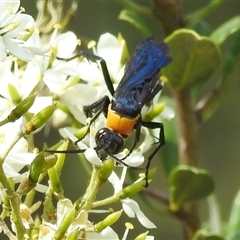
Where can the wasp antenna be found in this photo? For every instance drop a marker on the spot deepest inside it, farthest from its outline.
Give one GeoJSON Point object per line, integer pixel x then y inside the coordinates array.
{"type": "Point", "coordinates": [65, 151]}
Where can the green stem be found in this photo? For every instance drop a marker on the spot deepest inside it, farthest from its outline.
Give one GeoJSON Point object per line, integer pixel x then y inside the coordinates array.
{"type": "Point", "coordinates": [13, 196]}
{"type": "Point", "coordinates": [85, 203]}
{"type": "Point", "coordinates": [187, 128]}
{"type": "Point", "coordinates": [4, 121]}
{"type": "Point", "coordinates": [169, 13]}
{"type": "Point", "coordinates": [110, 200]}
{"type": "Point", "coordinates": [14, 200]}
{"type": "Point", "coordinates": [9, 148]}
{"type": "Point", "coordinates": [187, 145]}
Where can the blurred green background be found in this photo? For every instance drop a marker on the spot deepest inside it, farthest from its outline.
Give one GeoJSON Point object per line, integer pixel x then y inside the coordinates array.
{"type": "Point", "coordinates": [219, 137]}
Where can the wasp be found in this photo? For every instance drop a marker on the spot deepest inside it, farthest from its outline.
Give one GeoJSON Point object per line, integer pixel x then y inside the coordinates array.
{"type": "Point", "coordinates": [138, 86]}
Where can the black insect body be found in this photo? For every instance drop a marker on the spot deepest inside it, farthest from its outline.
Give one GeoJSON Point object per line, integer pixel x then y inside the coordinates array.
{"type": "Point", "coordinates": [139, 86]}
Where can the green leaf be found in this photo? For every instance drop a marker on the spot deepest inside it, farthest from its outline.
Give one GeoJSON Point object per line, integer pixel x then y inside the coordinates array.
{"type": "Point", "coordinates": [233, 227]}
{"type": "Point", "coordinates": [227, 83]}
{"type": "Point", "coordinates": [220, 35]}
{"type": "Point", "coordinates": [234, 236]}
{"type": "Point", "coordinates": [136, 20]}
{"type": "Point", "coordinates": [232, 57]}
{"type": "Point", "coordinates": [203, 235]}
{"type": "Point", "coordinates": [188, 184]}
{"type": "Point", "coordinates": [215, 222]}
{"type": "Point", "coordinates": [206, 10]}
{"type": "Point", "coordinates": [195, 59]}
{"type": "Point", "coordinates": [136, 7]}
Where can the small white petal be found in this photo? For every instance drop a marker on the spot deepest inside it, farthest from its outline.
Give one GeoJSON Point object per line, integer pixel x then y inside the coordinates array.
{"type": "Point", "coordinates": [99, 211]}
{"type": "Point", "coordinates": [25, 22]}
{"type": "Point", "coordinates": [18, 51]}
{"type": "Point", "coordinates": [2, 50]}
{"type": "Point", "coordinates": [5, 5]}
{"type": "Point", "coordinates": [63, 206]}
{"type": "Point", "coordinates": [115, 181]}
{"type": "Point", "coordinates": [80, 95]}
{"type": "Point", "coordinates": [131, 208]}
{"type": "Point", "coordinates": [68, 132]}
{"type": "Point", "coordinates": [106, 234]}
{"type": "Point", "coordinates": [92, 157]}
{"type": "Point", "coordinates": [9, 171]}
{"type": "Point", "coordinates": [90, 72]}
{"type": "Point", "coordinates": [34, 44]}
{"type": "Point", "coordinates": [168, 113]}
{"type": "Point", "coordinates": [40, 103]}
{"type": "Point", "coordinates": [135, 159]}
{"type": "Point", "coordinates": [41, 188]}
{"type": "Point", "coordinates": [66, 43]}
{"type": "Point", "coordinates": [77, 112]}
{"type": "Point", "coordinates": [149, 238]}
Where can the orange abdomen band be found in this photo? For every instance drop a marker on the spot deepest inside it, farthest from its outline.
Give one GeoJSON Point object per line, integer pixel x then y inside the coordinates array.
{"type": "Point", "coordinates": [120, 124]}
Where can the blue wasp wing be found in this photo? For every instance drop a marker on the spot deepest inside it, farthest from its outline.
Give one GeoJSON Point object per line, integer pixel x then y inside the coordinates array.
{"type": "Point", "coordinates": [141, 77]}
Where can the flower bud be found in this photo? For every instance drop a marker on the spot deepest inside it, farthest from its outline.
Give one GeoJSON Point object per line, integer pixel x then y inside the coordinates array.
{"type": "Point", "coordinates": [55, 181]}
{"type": "Point", "coordinates": [61, 157]}
{"type": "Point", "coordinates": [49, 162]}
{"type": "Point", "coordinates": [38, 120]}
{"type": "Point", "coordinates": [39, 165]}
{"type": "Point", "coordinates": [108, 221]}
{"type": "Point", "coordinates": [105, 171]}
{"type": "Point", "coordinates": [21, 108]}
{"type": "Point", "coordinates": [13, 92]}
{"type": "Point", "coordinates": [73, 235]}
{"type": "Point", "coordinates": [131, 190]}
{"type": "Point", "coordinates": [142, 236]}
{"type": "Point", "coordinates": [155, 111]}
{"type": "Point", "coordinates": [137, 186]}
{"type": "Point", "coordinates": [36, 167]}
{"type": "Point", "coordinates": [64, 225]}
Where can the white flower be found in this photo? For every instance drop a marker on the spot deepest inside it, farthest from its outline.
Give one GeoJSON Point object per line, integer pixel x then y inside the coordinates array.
{"type": "Point", "coordinates": [54, 74]}
{"type": "Point", "coordinates": [18, 157]}
{"type": "Point", "coordinates": [23, 88]}
{"type": "Point", "coordinates": [130, 207]}
{"type": "Point", "coordinates": [61, 76]}
{"type": "Point", "coordinates": [26, 215]}
{"type": "Point", "coordinates": [13, 27]}
{"type": "Point", "coordinates": [144, 235]}
{"type": "Point", "coordinates": [47, 230]}
{"type": "Point", "coordinates": [111, 50]}
{"type": "Point", "coordinates": [107, 47]}
{"type": "Point", "coordinates": [77, 96]}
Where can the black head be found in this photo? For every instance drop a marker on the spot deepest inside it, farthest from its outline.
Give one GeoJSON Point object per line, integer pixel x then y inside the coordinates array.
{"type": "Point", "coordinates": [108, 142]}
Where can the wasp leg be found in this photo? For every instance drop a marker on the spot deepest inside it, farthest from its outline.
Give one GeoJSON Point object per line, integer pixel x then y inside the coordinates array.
{"type": "Point", "coordinates": [106, 75]}
{"type": "Point", "coordinates": [101, 105]}
{"type": "Point", "coordinates": [103, 64]}
{"type": "Point", "coordinates": [105, 71]}
{"type": "Point", "coordinates": [161, 142]}
{"type": "Point", "coordinates": [136, 138]}
{"type": "Point", "coordinates": [140, 122]}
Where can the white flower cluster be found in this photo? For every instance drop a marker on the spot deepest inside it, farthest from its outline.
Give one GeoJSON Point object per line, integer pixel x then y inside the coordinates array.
{"type": "Point", "coordinates": [52, 79]}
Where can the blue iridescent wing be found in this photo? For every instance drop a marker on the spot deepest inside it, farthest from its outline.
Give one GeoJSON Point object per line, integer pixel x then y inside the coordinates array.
{"type": "Point", "coordinates": [141, 76]}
